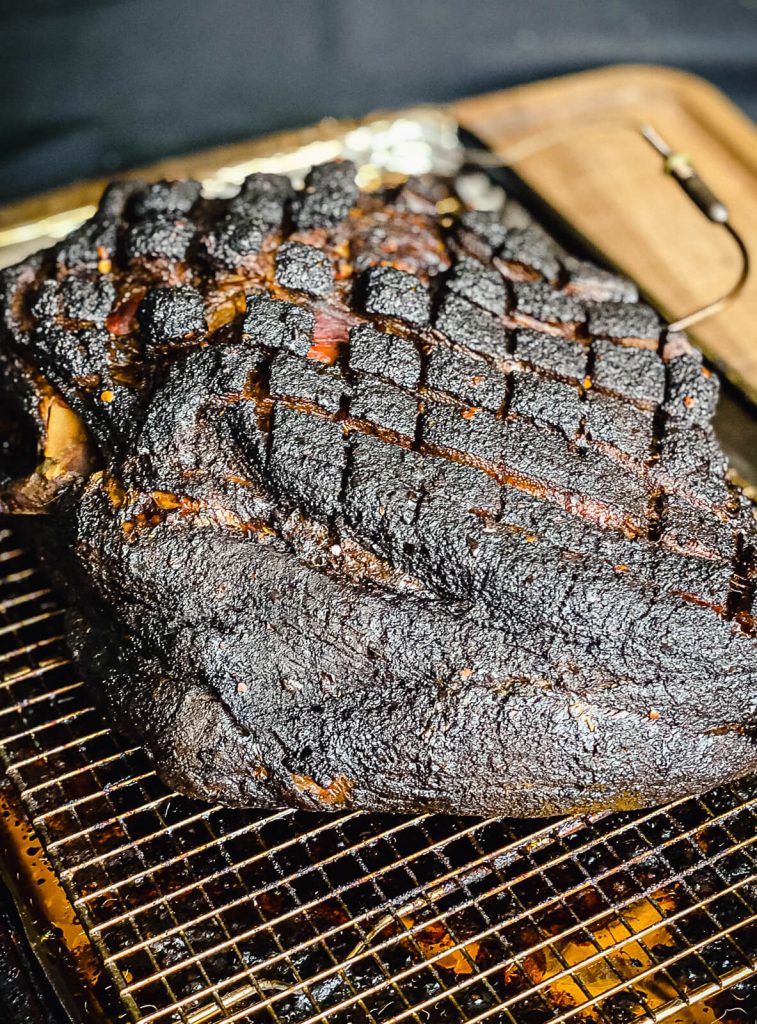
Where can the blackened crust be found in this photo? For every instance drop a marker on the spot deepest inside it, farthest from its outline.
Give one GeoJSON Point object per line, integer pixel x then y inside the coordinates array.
{"type": "Point", "coordinates": [387, 513]}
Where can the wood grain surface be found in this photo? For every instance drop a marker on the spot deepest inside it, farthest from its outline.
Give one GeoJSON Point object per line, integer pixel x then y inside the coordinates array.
{"type": "Point", "coordinates": [609, 185]}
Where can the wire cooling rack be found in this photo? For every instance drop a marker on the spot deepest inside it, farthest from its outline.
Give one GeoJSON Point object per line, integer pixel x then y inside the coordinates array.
{"type": "Point", "coordinates": [199, 914]}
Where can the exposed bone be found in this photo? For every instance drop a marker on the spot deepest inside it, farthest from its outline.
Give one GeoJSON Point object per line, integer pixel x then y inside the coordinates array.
{"type": "Point", "coordinates": [66, 459]}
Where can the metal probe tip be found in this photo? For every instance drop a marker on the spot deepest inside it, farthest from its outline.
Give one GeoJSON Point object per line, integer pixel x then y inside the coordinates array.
{"type": "Point", "coordinates": [655, 140]}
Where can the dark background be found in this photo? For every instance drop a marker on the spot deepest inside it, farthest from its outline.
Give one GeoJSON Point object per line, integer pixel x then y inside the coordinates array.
{"type": "Point", "coordinates": [91, 86]}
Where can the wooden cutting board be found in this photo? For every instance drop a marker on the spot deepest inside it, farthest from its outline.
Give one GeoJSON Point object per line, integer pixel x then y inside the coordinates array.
{"type": "Point", "coordinates": [608, 184]}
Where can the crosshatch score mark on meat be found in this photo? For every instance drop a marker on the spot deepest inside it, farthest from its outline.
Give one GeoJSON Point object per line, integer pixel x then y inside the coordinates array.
{"type": "Point", "coordinates": [363, 502]}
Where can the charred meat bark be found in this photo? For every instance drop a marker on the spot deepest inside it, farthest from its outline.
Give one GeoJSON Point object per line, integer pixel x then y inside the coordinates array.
{"type": "Point", "coordinates": [359, 502]}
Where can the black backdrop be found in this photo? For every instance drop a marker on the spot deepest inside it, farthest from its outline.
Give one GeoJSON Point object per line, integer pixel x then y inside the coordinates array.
{"type": "Point", "coordinates": [91, 86]}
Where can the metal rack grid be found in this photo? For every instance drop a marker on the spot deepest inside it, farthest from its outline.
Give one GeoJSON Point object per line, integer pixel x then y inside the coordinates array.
{"type": "Point", "coordinates": [201, 914]}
